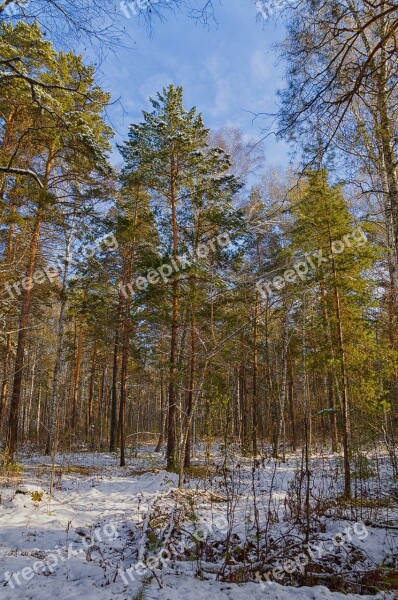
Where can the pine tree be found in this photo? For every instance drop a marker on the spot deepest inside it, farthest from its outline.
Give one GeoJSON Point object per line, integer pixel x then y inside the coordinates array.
{"type": "Point", "coordinates": [169, 153]}
{"type": "Point", "coordinates": [335, 248]}
{"type": "Point", "coordinates": [62, 138]}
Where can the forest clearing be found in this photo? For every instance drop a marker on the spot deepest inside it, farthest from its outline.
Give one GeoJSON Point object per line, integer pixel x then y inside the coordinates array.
{"type": "Point", "coordinates": [108, 532]}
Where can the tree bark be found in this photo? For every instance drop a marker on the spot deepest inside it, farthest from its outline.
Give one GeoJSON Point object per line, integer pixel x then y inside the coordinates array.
{"type": "Point", "coordinates": [255, 375]}
{"type": "Point", "coordinates": [345, 406]}
{"type": "Point", "coordinates": [123, 380]}
{"type": "Point", "coordinates": [52, 429]}
{"type": "Point", "coordinates": [90, 412]}
{"type": "Point", "coordinates": [76, 376]}
{"type": "Point", "coordinates": [12, 432]}
{"type": "Point", "coordinates": [114, 424]}
{"type": "Point", "coordinates": [171, 433]}
{"type": "Point", "coordinates": [187, 460]}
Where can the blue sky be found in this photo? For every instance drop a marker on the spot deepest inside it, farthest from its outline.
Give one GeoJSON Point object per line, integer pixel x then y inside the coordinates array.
{"type": "Point", "coordinates": [228, 70]}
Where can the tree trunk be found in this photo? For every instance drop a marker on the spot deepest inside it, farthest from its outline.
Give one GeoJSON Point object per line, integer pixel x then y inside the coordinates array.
{"type": "Point", "coordinates": [244, 417]}
{"type": "Point", "coordinates": [123, 380]}
{"type": "Point", "coordinates": [345, 407]}
{"type": "Point", "coordinates": [114, 424]}
{"type": "Point", "coordinates": [52, 429]}
{"type": "Point", "coordinates": [6, 371]}
{"type": "Point", "coordinates": [329, 375]}
{"type": "Point", "coordinates": [12, 432]}
{"type": "Point", "coordinates": [255, 373]}
{"type": "Point", "coordinates": [279, 425]}
{"type": "Point", "coordinates": [163, 414]}
{"type": "Point", "coordinates": [76, 376]}
{"type": "Point", "coordinates": [90, 413]}
{"type": "Point", "coordinates": [171, 433]}
{"type": "Point", "coordinates": [292, 410]}
{"type": "Point", "coordinates": [187, 460]}
{"type": "Point", "coordinates": [8, 352]}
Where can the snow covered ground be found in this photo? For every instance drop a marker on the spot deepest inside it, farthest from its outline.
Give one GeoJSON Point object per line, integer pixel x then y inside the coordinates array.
{"type": "Point", "coordinates": [93, 537]}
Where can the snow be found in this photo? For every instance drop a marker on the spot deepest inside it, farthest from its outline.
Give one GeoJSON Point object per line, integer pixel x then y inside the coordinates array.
{"type": "Point", "coordinates": [80, 541]}
{"type": "Point", "coordinates": [26, 488]}
{"type": "Point", "coordinates": [186, 588]}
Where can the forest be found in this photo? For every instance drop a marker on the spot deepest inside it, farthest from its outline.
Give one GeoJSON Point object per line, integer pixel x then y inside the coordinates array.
{"type": "Point", "coordinates": [198, 345]}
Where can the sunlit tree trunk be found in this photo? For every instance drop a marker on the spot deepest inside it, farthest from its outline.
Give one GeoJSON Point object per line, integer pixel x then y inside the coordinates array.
{"type": "Point", "coordinates": [113, 423]}
{"type": "Point", "coordinates": [12, 432]}
{"type": "Point", "coordinates": [76, 374]}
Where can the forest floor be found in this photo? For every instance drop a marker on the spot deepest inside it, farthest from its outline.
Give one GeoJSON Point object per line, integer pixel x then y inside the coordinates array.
{"type": "Point", "coordinates": [238, 528]}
